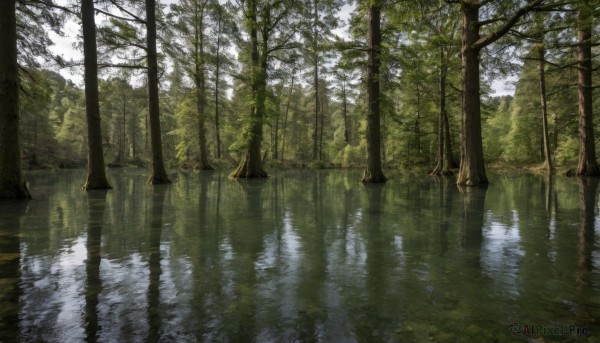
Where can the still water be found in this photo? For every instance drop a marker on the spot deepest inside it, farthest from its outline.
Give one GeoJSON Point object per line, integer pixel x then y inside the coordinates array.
{"type": "Point", "coordinates": [303, 256]}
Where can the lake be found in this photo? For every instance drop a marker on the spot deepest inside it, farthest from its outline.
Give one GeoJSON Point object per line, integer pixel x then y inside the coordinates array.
{"type": "Point", "coordinates": [302, 256]}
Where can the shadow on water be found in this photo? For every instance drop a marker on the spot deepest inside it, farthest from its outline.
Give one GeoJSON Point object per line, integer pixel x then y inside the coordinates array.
{"type": "Point", "coordinates": [96, 205]}
{"type": "Point", "coordinates": [10, 268]}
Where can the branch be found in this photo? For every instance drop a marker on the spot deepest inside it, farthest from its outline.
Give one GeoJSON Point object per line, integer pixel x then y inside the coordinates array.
{"type": "Point", "coordinates": [123, 66]}
{"type": "Point", "coordinates": [114, 15]}
{"type": "Point", "coordinates": [127, 12]}
{"type": "Point", "coordinates": [494, 36]}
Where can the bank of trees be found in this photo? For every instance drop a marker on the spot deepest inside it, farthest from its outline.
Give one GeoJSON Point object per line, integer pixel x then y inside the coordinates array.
{"type": "Point", "coordinates": [201, 83]}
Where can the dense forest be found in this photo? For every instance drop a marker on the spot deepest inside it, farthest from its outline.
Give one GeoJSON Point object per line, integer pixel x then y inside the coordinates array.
{"type": "Point", "coordinates": [253, 85]}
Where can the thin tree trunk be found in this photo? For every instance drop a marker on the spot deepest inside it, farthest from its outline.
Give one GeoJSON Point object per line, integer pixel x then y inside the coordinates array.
{"type": "Point", "coordinates": [316, 77]}
{"type": "Point", "coordinates": [373, 171]}
{"type": "Point", "coordinates": [217, 80]}
{"type": "Point", "coordinates": [287, 111]}
{"type": "Point", "coordinates": [159, 173]}
{"type": "Point", "coordinates": [588, 165]}
{"type": "Point", "coordinates": [251, 165]}
{"type": "Point", "coordinates": [323, 110]}
{"type": "Point", "coordinates": [444, 155]}
{"type": "Point", "coordinates": [276, 135]}
{"type": "Point", "coordinates": [544, 105]}
{"type": "Point", "coordinates": [472, 168]}
{"type": "Point", "coordinates": [345, 113]}
{"type": "Point", "coordinates": [199, 79]}
{"type": "Point", "coordinates": [96, 178]}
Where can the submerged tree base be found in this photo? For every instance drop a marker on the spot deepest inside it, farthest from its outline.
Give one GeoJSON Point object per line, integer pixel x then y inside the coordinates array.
{"type": "Point", "coordinates": [11, 190]}
{"type": "Point", "coordinates": [471, 179]}
{"type": "Point", "coordinates": [245, 171]}
{"type": "Point", "coordinates": [441, 171]}
{"type": "Point", "coordinates": [370, 177]}
{"type": "Point", "coordinates": [93, 183]}
{"type": "Point", "coordinates": [158, 180]}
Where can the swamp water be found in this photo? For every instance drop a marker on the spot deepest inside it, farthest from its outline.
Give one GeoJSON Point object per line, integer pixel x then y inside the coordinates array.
{"type": "Point", "coordinates": [303, 256]}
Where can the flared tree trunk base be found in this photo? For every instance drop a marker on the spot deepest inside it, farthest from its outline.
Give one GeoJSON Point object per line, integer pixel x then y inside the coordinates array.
{"type": "Point", "coordinates": [245, 171]}
{"type": "Point", "coordinates": [14, 191]}
{"type": "Point", "coordinates": [370, 177]}
{"type": "Point", "coordinates": [588, 170]}
{"type": "Point", "coordinates": [471, 178]}
{"type": "Point", "coordinates": [204, 167]}
{"type": "Point", "coordinates": [441, 171]}
{"type": "Point", "coordinates": [158, 180]}
{"type": "Point", "coordinates": [92, 184]}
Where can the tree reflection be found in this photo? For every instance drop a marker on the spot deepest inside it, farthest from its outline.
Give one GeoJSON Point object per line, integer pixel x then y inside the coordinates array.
{"type": "Point", "coordinates": [93, 286]}
{"type": "Point", "coordinates": [10, 269]}
{"type": "Point", "coordinates": [473, 205]}
{"type": "Point", "coordinates": [154, 320]}
{"type": "Point", "coordinates": [588, 187]}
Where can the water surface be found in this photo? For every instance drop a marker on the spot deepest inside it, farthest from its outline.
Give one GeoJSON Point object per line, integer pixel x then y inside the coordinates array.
{"type": "Point", "coordinates": [303, 256]}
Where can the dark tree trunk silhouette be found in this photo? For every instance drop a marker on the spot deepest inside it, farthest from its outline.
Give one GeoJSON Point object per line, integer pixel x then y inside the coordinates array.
{"type": "Point", "coordinates": [12, 183]}
{"type": "Point", "coordinates": [199, 79]}
{"type": "Point", "coordinates": [373, 171]}
{"type": "Point", "coordinates": [96, 178]}
{"type": "Point", "coordinates": [588, 166]}
{"type": "Point", "coordinates": [287, 111]}
{"type": "Point", "coordinates": [159, 173]}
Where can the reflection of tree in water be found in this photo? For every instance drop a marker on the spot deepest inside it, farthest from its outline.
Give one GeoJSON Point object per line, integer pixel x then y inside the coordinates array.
{"type": "Point", "coordinates": [10, 269]}
{"type": "Point", "coordinates": [93, 285]}
{"type": "Point", "coordinates": [154, 317]}
{"type": "Point", "coordinates": [588, 187]}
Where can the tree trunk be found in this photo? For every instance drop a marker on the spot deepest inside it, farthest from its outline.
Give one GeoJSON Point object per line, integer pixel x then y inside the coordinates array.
{"type": "Point", "coordinates": [96, 170]}
{"type": "Point", "coordinates": [251, 165]}
{"type": "Point", "coordinates": [588, 165]}
{"type": "Point", "coordinates": [472, 168]}
{"type": "Point", "coordinates": [444, 155]}
{"type": "Point", "coordinates": [217, 80]}
{"type": "Point", "coordinates": [12, 183]}
{"type": "Point", "coordinates": [159, 173]}
{"type": "Point", "coordinates": [345, 113]}
{"type": "Point", "coordinates": [316, 78]}
{"type": "Point", "coordinates": [199, 79]}
{"type": "Point", "coordinates": [373, 171]}
{"type": "Point", "coordinates": [287, 111]}
{"type": "Point", "coordinates": [323, 110]}
{"type": "Point", "coordinates": [544, 105]}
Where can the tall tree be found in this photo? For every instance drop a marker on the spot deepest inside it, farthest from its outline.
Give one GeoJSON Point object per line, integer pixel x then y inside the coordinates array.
{"type": "Point", "coordinates": [472, 166]}
{"type": "Point", "coordinates": [96, 178]}
{"type": "Point", "coordinates": [159, 173]}
{"type": "Point", "coordinates": [12, 183]}
{"type": "Point", "coordinates": [270, 29]}
{"type": "Point", "coordinates": [541, 55]}
{"type": "Point", "coordinates": [373, 171]}
{"type": "Point", "coordinates": [588, 166]}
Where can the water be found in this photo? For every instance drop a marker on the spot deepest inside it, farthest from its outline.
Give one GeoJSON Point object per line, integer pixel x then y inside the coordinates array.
{"type": "Point", "coordinates": [303, 256]}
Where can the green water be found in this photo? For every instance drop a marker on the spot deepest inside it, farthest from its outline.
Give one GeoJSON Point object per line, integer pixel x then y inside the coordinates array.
{"type": "Point", "coordinates": [302, 256]}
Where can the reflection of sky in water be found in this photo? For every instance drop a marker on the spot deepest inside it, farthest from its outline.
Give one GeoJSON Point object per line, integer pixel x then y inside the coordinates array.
{"type": "Point", "coordinates": [501, 253]}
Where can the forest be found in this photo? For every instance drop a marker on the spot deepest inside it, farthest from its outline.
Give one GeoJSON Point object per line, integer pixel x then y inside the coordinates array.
{"type": "Point", "coordinates": [251, 86]}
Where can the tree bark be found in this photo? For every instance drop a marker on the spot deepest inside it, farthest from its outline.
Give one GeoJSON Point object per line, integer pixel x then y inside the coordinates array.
{"type": "Point", "coordinates": [472, 168]}
{"type": "Point", "coordinates": [287, 111]}
{"type": "Point", "coordinates": [543, 100]}
{"type": "Point", "coordinates": [444, 155]}
{"type": "Point", "coordinates": [251, 165]}
{"type": "Point", "coordinates": [159, 173]}
{"type": "Point", "coordinates": [588, 166]}
{"type": "Point", "coordinates": [345, 113]}
{"type": "Point", "coordinates": [373, 171]}
{"type": "Point", "coordinates": [12, 183]}
{"type": "Point", "coordinates": [199, 79]}
{"type": "Point", "coordinates": [217, 80]}
{"type": "Point", "coordinates": [316, 78]}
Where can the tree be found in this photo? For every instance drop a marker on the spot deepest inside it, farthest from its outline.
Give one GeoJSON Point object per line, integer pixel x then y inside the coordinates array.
{"type": "Point", "coordinates": [192, 16]}
{"type": "Point", "coordinates": [541, 51]}
{"type": "Point", "coordinates": [159, 173]}
{"type": "Point", "coordinates": [267, 24]}
{"type": "Point", "coordinates": [12, 183]}
{"type": "Point", "coordinates": [472, 167]}
{"type": "Point", "coordinates": [373, 171]}
{"type": "Point", "coordinates": [96, 178]}
{"type": "Point", "coordinates": [588, 166]}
